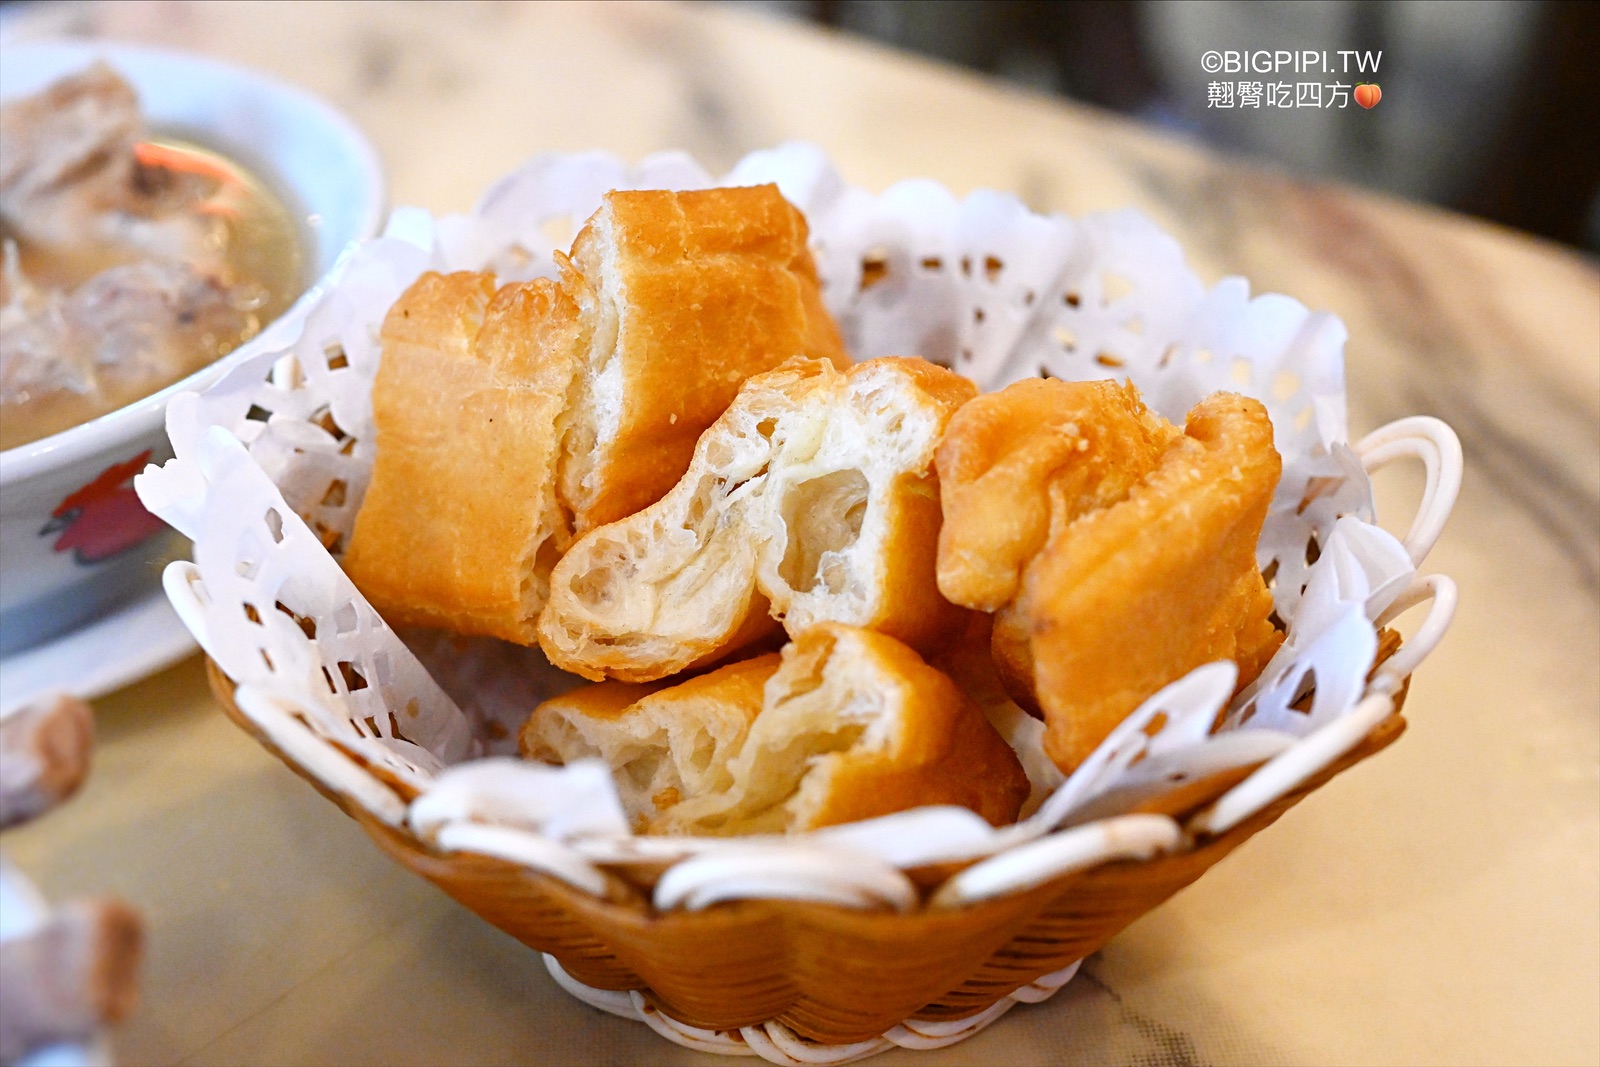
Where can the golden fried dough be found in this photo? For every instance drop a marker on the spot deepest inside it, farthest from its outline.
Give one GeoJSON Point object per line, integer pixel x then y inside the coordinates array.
{"type": "Point", "coordinates": [849, 725]}
{"type": "Point", "coordinates": [812, 497]}
{"type": "Point", "coordinates": [1146, 565]}
{"type": "Point", "coordinates": [461, 522]}
{"type": "Point", "coordinates": [685, 295]}
{"type": "Point", "coordinates": [509, 420]}
{"type": "Point", "coordinates": [1013, 462]}
{"type": "Point", "coordinates": [662, 744]}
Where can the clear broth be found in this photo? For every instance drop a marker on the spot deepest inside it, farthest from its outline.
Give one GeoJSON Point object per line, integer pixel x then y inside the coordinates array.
{"type": "Point", "coordinates": [265, 249]}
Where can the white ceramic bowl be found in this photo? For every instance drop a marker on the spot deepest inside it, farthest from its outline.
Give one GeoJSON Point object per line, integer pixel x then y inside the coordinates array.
{"type": "Point", "coordinates": [63, 564]}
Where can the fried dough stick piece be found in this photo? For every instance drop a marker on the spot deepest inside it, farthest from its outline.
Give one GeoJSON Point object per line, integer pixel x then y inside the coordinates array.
{"type": "Point", "coordinates": [813, 494]}
{"type": "Point", "coordinates": [461, 523]}
{"type": "Point", "coordinates": [663, 743]}
{"type": "Point", "coordinates": [1145, 566]}
{"type": "Point", "coordinates": [682, 296]}
{"type": "Point", "coordinates": [75, 973]}
{"type": "Point", "coordinates": [1137, 595]}
{"type": "Point", "coordinates": [511, 420]}
{"type": "Point", "coordinates": [970, 664]}
{"type": "Point", "coordinates": [45, 751]}
{"type": "Point", "coordinates": [1016, 468]}
{"type": "Point", "coordinates": [849, 724]}
{"type": "Point", "coordinates": [1016, 464]}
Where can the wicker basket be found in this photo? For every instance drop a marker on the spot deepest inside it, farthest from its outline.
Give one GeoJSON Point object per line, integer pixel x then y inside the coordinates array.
{"type": "Point", "coordinates": [832, 975]}
{"type": "Point", "coordinates": [785, 964]}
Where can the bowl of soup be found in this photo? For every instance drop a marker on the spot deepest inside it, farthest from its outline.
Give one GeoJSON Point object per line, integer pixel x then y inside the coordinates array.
{"type": "Point", "coordinates": [162, 215]}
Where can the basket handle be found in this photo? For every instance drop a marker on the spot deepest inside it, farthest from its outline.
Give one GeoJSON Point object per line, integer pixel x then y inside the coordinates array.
{"type": "Point", "coordinates": [1440, 591]}
{"type": "Point", "coordinates": [1437, 446]}
{"type": "Point", "coordinates": [1286, 771]}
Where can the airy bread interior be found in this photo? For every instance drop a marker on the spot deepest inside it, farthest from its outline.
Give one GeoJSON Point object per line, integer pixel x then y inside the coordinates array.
{"type": "Point", "coordinates": [812, 495]}
{"type": "Point", "coordinates": [661, 744]}
{"type": "Point", "coordinates": [684, 296]}
{"type": "Point", "coordinates": [849, 725]}
{"type": "Point", "coordinates": [510, 420]}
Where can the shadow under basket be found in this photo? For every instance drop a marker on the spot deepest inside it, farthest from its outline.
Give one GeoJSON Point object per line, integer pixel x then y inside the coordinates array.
{"type": "Point", "coordinates": [831, 974]}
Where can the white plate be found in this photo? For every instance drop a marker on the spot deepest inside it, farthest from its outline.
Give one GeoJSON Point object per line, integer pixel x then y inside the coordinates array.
{"type": "Point", "coordinates": [131, 643]}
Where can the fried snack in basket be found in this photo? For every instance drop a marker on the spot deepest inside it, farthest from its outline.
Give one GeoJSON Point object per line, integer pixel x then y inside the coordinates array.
{"type": "Point", "coordinates": [662, 744]}
{"type": "Point", "coordinates": [1143, 566]}
{"type": "Point", "coordinates": [510, 419]}
{"type": "Point", "coordinates": [683, 297]}
{"type": "Point", "coordinates": [461, 522]}
{"type": "Point", "coordinates": [813, 495]}
{"type": "Point", "coordinates": [850, 724]}
{"type": "Point", "coordinates": [1041, 451]}
{"type": "Point", "coordinates": [969, 662]}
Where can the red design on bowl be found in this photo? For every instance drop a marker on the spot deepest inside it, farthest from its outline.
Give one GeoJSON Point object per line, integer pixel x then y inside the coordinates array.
{"type": "Point", "coordinates": [104, 518]}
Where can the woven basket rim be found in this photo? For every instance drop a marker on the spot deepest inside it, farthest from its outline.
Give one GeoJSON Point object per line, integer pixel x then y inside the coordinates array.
{"type": "Point", "coordinates": [604, 925]}
{"type": "Point", "coordinates": [1384, 733]}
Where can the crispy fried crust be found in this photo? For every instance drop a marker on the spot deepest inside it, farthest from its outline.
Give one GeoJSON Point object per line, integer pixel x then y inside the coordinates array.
{"type": "Point", "coordinates": [507, 421]}
{"type": "Point", "coordinates": [662, 744]}
{"type": "Point", "coordinates": [934, 745]}
{"type": "Point", "coordinates": [1143, 592]}
{"type": "Point", "coordinates": [813, 494]}
{"type": "Point", "coordinates": [1012, 462]}
{"type": "Point", "coordinates": [461, 523]}
{"type": "Point", "coordinates": [1142, 566]}
{"type": "Point", "coordinates": [690, 294]}
{"type": "Point", "coordinates": [852, 724]}
{"type": "Point", "coordinates": [969, 662]}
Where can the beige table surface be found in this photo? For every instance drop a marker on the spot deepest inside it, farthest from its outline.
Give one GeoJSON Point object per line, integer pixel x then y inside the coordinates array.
{"type": "Point", "coordinates": [1440, 904]}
